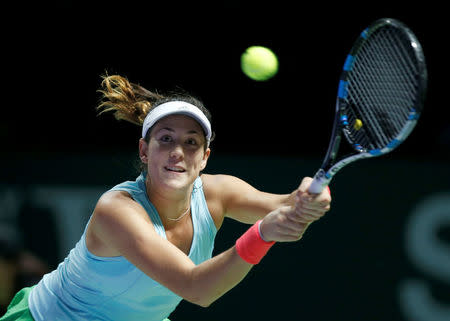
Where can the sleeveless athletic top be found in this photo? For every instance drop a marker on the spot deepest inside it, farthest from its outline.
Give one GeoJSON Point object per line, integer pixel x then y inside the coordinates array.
{"type": "Point", "coordinates": [89, 287]}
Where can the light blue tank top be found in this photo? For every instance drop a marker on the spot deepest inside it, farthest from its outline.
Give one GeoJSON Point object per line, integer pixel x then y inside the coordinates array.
{"type": "Point", "coordinates": [87, 287]}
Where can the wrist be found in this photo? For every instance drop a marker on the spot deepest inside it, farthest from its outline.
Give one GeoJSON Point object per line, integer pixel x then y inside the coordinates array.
{"type": "Point", "coordinates": [251, 247]}
{"type": "Point", "coordinates": [260, 232]}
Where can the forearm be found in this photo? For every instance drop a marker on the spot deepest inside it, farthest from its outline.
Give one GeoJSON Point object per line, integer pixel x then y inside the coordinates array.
{"type": "Point", "coordinates": [213, 278]}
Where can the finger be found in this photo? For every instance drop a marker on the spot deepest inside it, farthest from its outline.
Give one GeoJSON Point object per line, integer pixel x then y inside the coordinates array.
{"type": "Point", "coordinates": [324, 196]}
{"type": "Point", "coordinates": [307, 215]}
{"type": "Point", "coordinates": [311, 203]}
{"type": "Point", "coordinates": [311, 210]}
{"type": "Point", "coordinates": [289, 223]}
{"type": "Point", "coordinates": [304, 185]}
{"type": "Point", "coordinates": [313, 206]}
{"type": "Point", "coordinates": [303, 218]}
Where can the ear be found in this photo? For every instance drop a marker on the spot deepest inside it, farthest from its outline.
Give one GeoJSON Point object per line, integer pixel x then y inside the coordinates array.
{"type": "Point", "coordinates": [205, 159]}
{"type": "Point", "coordinates": [143, 148]}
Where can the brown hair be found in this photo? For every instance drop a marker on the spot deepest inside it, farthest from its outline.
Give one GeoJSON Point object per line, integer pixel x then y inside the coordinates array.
{"type": "Point", "coordinates": [132, 102]}
{"type": "Point", "coordinates": [126, 100]}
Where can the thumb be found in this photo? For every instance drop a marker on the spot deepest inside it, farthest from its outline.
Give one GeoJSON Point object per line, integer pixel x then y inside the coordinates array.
{"type": "Point", "coordinates": [304, 185]}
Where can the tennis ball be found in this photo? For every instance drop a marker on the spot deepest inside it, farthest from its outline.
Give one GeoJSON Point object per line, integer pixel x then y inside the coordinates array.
{"type": "Point", "coordinates": [259, 63]}
{"type": "Point", "coordinates": [358, 124]}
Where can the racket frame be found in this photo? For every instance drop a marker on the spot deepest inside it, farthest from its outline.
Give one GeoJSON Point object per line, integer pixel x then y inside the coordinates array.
{"type": "Point", "coordinates": [329, 166]}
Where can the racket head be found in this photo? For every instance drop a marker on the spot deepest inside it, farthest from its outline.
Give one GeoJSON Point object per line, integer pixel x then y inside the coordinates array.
{"type": "Point", "coordinates": [380, 97]}
{"type": "Point", "coordinates": [382, 88]}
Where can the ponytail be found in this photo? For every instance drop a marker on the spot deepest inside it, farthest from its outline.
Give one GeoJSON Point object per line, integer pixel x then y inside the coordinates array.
{"type": "Point", "coordinates": [126, 100]}
{"type": "Point", "coordinates": [132, 102]}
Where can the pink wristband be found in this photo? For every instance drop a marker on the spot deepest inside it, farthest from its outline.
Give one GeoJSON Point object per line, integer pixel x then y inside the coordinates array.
{"type": "Point", "coordinates": [251, 247]}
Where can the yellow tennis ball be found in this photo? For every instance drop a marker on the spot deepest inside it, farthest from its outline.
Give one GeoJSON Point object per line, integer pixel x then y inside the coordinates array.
{"type": "Point", "coordinates": [358, 124]}
{"type": "Point", "coordinates": [259, 63]}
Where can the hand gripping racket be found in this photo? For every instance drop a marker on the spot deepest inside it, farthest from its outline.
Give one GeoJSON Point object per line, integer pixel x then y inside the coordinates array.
{"type": "Point", "coordinates": [380, 96]}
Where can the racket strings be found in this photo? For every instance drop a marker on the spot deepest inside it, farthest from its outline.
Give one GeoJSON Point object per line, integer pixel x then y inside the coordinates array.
{"type": "Point", "coordinates": [385, 124]}
{"type": "Point", "coordinates": [382, 88]}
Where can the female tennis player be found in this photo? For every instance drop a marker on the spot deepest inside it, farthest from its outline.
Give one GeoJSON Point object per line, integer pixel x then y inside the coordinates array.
{"type": "Point", "coordinates": [149, 242]}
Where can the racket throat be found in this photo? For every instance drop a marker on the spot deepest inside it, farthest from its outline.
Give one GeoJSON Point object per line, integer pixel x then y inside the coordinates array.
{"type": "Point", "coordinates": [335, 141]}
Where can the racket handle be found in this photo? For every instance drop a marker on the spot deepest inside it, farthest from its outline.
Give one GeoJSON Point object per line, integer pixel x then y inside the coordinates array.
{"type": "Point", "coordinates": [319, 182]}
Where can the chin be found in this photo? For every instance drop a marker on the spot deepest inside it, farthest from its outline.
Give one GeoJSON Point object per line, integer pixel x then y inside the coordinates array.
{"type": "Point", "coordinates": [178, 181]}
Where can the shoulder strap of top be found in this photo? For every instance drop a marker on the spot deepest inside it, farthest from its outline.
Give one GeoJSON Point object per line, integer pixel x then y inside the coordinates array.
{"type": "Point", "coordinates": [138, 192]}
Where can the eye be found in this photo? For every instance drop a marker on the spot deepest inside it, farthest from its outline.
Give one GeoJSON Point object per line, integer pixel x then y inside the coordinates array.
{"type": "Point", "coordinates": [166, 138]}
{"type": "Point", "coordinates": [191, 141]}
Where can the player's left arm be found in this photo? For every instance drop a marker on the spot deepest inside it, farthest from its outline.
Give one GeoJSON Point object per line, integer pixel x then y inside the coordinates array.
{"type": "Point", "coordinates": [234, 198]}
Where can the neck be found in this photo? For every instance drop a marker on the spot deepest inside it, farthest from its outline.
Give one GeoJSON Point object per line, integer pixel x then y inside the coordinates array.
{"type": "Point", "coordinates": [170, 206]}
{"type": "Point", "coordinates": [181, 216]}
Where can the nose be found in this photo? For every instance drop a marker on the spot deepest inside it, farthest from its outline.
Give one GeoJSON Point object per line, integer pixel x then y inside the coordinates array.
{"type": "Point", "coordinates": [176, 152]}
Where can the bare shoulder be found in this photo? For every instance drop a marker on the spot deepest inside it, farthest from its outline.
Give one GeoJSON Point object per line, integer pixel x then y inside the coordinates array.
{"type": "Point", "coordinates": [221, 191]}
{"type": "Point", "coordinates": [224, 187]}
{"type": "Point", "coordinates": [114, 212]}
{"type": "Point", "coordinates": [215, 188]}
{"type": "Point", "coordinates": [116, 201]}
{"type": "Point", "coordinates": [214, 183]}
{"type": "Point", "coordinates": [238, 199]}
{"type": "Point", "coordinates": [119, 206]}
{"type": "Point", "coordinates": [219, 181]}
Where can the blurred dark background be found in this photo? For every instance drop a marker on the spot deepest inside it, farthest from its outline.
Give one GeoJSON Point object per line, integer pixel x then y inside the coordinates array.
{"type": "Point", "coordinates": [364, 262]}
{"type": "Point", "coordinates": [57, 51]}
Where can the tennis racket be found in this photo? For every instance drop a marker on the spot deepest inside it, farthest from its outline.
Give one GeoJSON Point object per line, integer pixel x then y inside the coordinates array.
{"type": "Point", "coordinates": [380, 96]}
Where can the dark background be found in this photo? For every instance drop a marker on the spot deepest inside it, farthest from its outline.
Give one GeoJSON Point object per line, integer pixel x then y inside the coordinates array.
{"type": "Point", "coordinates": [351, 265]}
{"type": "Point", "coordinates": [57, 51]}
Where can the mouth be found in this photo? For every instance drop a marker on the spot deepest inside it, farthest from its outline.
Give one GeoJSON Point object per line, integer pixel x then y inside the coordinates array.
{"type": "Point", "coordinates": [175, 169]}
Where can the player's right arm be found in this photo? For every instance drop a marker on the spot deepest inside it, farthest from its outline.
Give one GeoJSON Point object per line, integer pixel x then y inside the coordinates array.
{"type": "Point", "coordinates": [120, 226]}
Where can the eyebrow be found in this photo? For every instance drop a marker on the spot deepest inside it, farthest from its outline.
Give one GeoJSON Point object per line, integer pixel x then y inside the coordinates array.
{"type": "Point", "coordinates": [172, 130]}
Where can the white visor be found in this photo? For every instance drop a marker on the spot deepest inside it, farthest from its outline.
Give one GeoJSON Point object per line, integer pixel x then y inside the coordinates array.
{"type": "Point", "coordinates": [180, 108]}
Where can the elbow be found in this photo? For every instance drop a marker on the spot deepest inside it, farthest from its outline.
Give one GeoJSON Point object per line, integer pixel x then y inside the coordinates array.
{"type": "Point", "coordinates": [202, 301]}
{"type": "Point", "coordinates": [207, 301]}
{"type": "Point", "coordinates": [200, 290]}
{"type": "Point", "coordinates": [204, 304]}
{"type": "Point", "coordinates": [199, 295]}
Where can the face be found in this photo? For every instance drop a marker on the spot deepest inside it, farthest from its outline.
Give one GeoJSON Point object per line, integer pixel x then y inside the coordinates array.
{"type": "Point", "coordinates": [175, 154]}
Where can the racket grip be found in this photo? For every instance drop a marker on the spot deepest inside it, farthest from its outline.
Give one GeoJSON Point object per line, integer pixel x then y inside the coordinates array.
{"type": "Point", "coordinates": [319, 182]}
